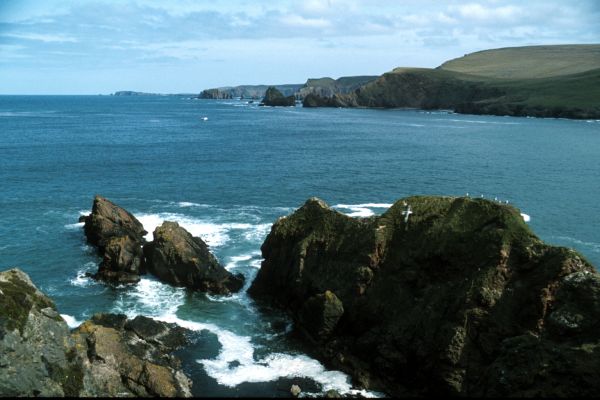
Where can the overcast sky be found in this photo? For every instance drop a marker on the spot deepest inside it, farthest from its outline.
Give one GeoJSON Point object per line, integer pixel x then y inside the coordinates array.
{"type": "Point", "coordinates": [90, 47]}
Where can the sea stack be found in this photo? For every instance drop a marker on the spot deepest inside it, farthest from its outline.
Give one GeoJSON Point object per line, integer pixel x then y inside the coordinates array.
{"type": "Point", "coordinates": [438, 296]}
{"type": "Point", "coordinates": [275, 98]}
{"type": "Point", "coordinates": [119, 238]}
{"type": "Point", "coordinates": [180, 259]}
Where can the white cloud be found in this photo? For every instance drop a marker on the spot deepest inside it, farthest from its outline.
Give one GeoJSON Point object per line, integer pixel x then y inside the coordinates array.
{"type": "Point", "coordinates": [299, 21]}
{"type": "Point", "coordinates": [41, 37]}
{"type": "Point", "coordinates": [479, 12]}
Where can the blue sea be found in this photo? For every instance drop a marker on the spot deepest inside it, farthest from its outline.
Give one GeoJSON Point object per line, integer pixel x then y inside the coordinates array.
{"type": "Point", "coordinates": [226, 170]}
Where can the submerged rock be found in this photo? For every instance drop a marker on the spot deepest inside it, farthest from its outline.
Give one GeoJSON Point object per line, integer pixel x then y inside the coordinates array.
{"type": "Point", "coordinates": [274, 97]}
{"type": "Point", "coordinates": [178, 258]}
{"type": "Point", "coordinates": [108, 355]}
{"type": "Point", "coordinates": [119, 237]}
{"type": "Point", "coordinates": [452, 296]}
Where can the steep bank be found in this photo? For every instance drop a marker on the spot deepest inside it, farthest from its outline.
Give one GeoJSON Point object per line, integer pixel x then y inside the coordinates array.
{"type": "Point", "coordinates": [106, 356]}
{"type": "Point", "coordinates": [439, 295]}
{"type": "Point", "coordinates": [540, 81]}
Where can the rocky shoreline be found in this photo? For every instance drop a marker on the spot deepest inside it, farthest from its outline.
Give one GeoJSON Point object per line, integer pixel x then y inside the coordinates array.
{"type": "Point", "coordinates": [437, 296]}
{"type": "Point", "coordinates": [106, 356]}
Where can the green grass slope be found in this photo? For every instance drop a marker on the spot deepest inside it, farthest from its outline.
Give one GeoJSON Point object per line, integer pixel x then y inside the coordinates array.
{"type": "Point", "coordinates": [528, 62]}
{"type": "Point", "coordinates": [540, 81]}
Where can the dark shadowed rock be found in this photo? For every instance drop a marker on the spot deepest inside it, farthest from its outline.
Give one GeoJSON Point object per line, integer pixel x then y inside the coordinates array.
{"type": "Point", "coordinates": [459, 298]}
{"type": "Point", "coordinates": [122, 261]}
{"type": "Point", "coordinates": [119, 237]}
{"type": "Point", "coordinates": [320, 314]}
{"type": "Point", "coordinates": [107, 356]}
{"type": "Point", "coordinates": [178, 258]}
{"type": "Point", "coordinates": [274, 98]}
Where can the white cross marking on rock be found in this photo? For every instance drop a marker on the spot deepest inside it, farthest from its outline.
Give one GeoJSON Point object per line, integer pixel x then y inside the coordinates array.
{"type": "Point", "coordinates": [407, 213]}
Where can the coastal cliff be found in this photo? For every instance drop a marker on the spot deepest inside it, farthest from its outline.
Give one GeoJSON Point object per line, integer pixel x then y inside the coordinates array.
{"type": "Point", "coordinates": [560, 81]}
{"type": "Point", "coordinates": [106, 356]}
{"type": "Point", "coordinates": [437, 296]}
{"type": "Point", "coordinates": [275, 98]}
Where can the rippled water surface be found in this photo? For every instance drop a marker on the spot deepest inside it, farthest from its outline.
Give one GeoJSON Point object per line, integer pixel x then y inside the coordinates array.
{"type": "Point", "coordinates": [229, 177]}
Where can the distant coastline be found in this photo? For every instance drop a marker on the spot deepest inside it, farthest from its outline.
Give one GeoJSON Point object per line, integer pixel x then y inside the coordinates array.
{"type": "Point", "coordinates": [560, 81]}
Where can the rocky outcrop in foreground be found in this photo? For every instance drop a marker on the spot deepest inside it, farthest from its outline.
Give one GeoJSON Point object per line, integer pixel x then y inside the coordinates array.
{"type": "Point", "coordinates": [119, 237]}
{"type": "Point", "coordinates": [175, 256]}
{"type": "Point", "coordinates": [275, 98]}
{"type": "Point", "coordinates": [178, 258]}
{"type": "Point", "coordinates": [108, 355]}
{"type": "Point", "coordinates": [438, 296]}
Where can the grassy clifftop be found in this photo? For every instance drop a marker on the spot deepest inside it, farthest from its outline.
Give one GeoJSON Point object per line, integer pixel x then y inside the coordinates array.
{"type": "Point", "coordinates": [530, 62]}
{"type": "Point", "coordinates": [541, 81]}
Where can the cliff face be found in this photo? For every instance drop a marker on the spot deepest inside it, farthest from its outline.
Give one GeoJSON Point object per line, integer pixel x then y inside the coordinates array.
{"type": "Point", "coordinates": [214, 94]}
{"type": "Point", "coordinates": [107, 356]}
{"type": "Point", "coordinates": [539, 81]}
{"type": "Point", "coordinates": [439, 295]}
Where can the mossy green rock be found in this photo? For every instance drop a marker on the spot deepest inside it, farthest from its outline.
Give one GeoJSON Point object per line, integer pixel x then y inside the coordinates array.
{"type": "Point", "coordinates": [460, 298]}
{"type": "Point", "coordinates": [107, 356]}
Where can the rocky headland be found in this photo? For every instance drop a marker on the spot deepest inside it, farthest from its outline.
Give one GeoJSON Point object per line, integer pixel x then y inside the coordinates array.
{"type": "Point", "coordinates": [275, 98]}
{"type": "Point", "coordinates": [174, 256]}
{"type": "Point", "coordinates": [437, 296]}
{"type": "Point", "coordinates": [106, 356]}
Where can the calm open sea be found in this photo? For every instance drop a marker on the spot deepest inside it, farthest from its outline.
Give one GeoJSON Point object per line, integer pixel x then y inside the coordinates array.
{"type": "Point", "coordinates": [229, 177]}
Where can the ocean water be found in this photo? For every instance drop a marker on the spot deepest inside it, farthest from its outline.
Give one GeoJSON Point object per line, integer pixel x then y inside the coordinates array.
{"type": "Point", "coordinates": [227, 178]}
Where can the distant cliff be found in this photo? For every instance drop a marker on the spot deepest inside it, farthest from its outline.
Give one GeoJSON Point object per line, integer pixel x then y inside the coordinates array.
{"type": "Point", "coordinates": [328, 87]}
{"type": "Point", "coordinates": [540, 81]}
{"type": "Point", "coordinates": [247, 91]}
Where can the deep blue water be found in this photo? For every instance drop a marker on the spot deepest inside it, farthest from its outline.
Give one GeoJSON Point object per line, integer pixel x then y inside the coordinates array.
{"type": "Point", "coordinates": [229, 177]}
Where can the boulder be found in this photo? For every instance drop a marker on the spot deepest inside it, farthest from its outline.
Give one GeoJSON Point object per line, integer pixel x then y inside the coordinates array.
{"type": "Point", "coordinates": [180, 259]}
{"type": "Point", "coordinates": [107, 356]}
{"type": "Point", "coordinates": [440, 296]}
{"type": "Point", "coordinates": [275, 98]}
{"type": "Point", "coordinates": [108, 220]}
{"type": "Point", "coordinates": [119, 237]}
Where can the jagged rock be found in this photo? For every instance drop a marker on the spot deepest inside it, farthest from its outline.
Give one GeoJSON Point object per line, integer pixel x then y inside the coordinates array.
{"type": "Point", "coordinates": [118, 236]}
{"type": "Point", "coordinates": [457, 298]}
{"type": "Point", "coordinates": [273, 97]}
{"type": "Point", "coordinates": [107, 356]}
{"type": "Point", "coordinates": [178, 258]}
{"type": "Point", "coordinates": [122, 261]}
{"type": "Point", "coordinates": [108, 220]}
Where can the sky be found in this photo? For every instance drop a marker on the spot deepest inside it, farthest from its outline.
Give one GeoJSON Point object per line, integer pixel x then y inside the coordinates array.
{"type": "Point", "coordinates": [165, 46]}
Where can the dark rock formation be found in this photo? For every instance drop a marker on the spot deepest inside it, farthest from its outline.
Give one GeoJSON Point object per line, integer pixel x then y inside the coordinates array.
{"type": "Point", "coordinates": [108, 220]}
{"type": "Point", "coordinates": [274, 98]}
{"type": "Point", "coordinates": [122, 261]}
{"type": "Point", "coordinates": [214, 94]}
{"type": "Point", "coordinates": [336, 100]}
{"type": "Point", "coordinates": [457, 298]}
{"type": "Point", "coordinates": [118, 236]}
{"type": "Point", "coordinates": [178, 258]}
{"type": "Point", "coordinates": [106, 356]}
